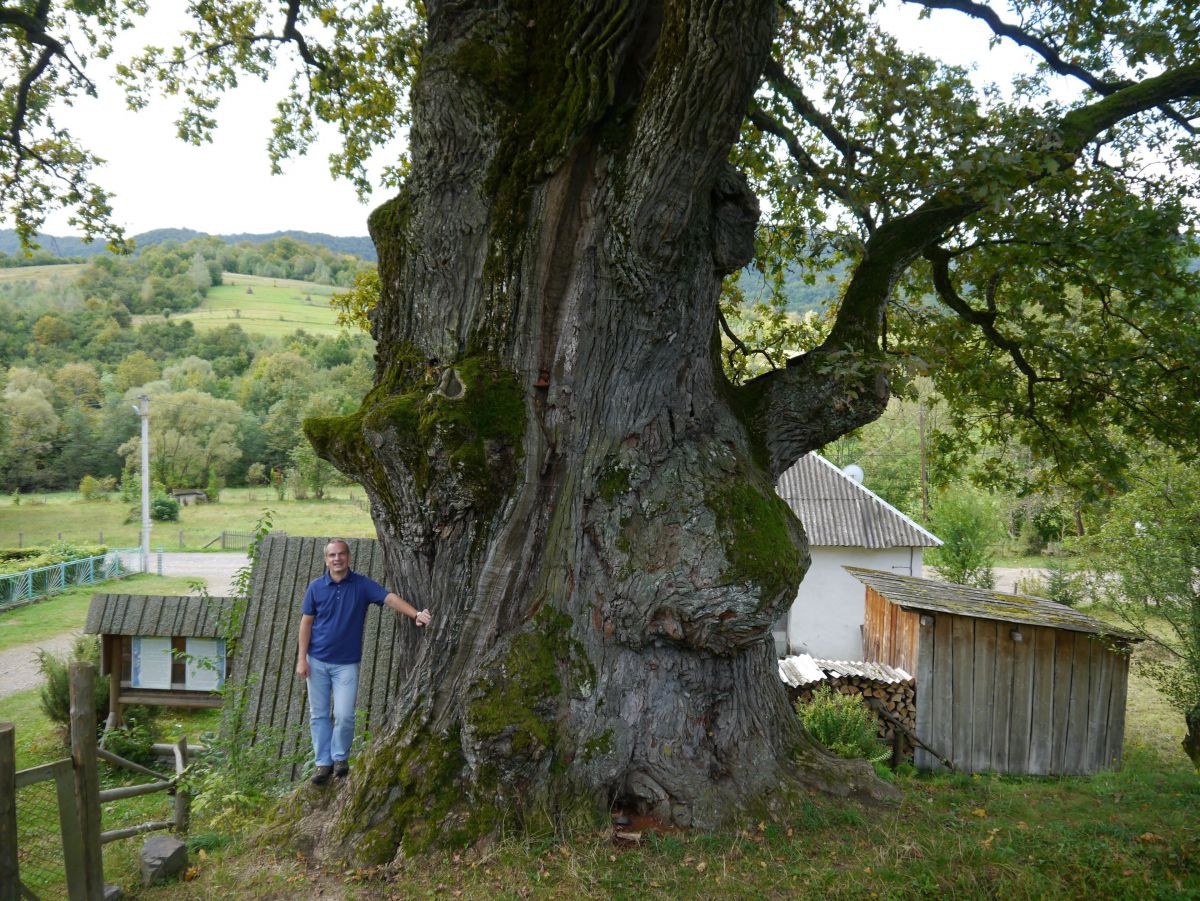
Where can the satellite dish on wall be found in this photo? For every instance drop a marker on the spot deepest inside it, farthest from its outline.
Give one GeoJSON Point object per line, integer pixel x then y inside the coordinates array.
{"type": "Point", "coordinates": [855, 472]}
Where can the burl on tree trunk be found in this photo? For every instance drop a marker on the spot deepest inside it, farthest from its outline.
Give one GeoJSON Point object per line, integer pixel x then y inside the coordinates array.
{"type": "Point", "coordinates": [557, 467]}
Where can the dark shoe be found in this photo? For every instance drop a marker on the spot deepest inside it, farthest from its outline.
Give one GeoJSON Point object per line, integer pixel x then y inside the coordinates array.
{"type": "Point", "coordinates": [321, 775]}
{"type": "Point", "coordinates": [341, 768]}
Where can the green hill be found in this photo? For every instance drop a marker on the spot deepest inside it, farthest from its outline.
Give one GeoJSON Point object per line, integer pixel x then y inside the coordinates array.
{"type": "Point", "coordinates": [265, 306]}
{"type": "Point", "coordinates": [73, 246]}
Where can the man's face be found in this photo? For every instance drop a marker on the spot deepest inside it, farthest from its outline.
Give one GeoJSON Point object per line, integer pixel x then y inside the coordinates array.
{"type": "Point", "coordinates": [337, 558]}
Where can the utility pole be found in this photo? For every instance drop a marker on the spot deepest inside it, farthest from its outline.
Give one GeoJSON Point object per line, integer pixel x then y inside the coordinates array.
{"type": "Point", "coordinates": [143, 410]}
{"type": "Point", "coordinates": [924, 477]}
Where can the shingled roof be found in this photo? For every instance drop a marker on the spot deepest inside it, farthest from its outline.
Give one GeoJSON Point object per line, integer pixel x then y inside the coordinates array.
{"type": "Point", "coordinates": [156, 615]}
{"type": "Point", "coordinates": [912, 593]}
{"type": "Point", "coordinates": [839, 512]}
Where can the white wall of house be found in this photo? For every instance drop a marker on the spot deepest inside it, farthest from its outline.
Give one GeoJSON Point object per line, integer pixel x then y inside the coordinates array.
{"type": "Point", "coordinates": [826, 618]}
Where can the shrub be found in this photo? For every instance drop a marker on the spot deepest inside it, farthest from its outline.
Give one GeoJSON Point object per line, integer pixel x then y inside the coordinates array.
{"type": "Point", "coordinates": [164, 508]}
{"type": "Point", "coordinates": [134, 740]}
{"type": "Point", "coordinates": [842, 723]}
{"type": "Point", "coordinates": [1060, 585]}
{"type": "Point", "coordinates": [55, 695]}
{"type": "Point", "coordinates": [90, 489]}
{"type": "Point", "coordinates": [19, 559]}
{"type": "Point", "coordinates": [968, 524]}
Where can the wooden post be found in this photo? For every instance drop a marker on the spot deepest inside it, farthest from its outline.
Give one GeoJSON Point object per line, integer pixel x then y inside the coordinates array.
{"type": "Point", "coordinates": [183, 798]}
{"type": "Point", "coordinates": [87, 776]}
{"type": "Point", "coordinates": [113, 662]}
{"type": "Point", "coordinates": [9, 873]}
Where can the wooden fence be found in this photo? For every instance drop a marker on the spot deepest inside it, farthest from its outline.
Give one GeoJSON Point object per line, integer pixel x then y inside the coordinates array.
{"type": "Point", "coordinates": [79, 797]}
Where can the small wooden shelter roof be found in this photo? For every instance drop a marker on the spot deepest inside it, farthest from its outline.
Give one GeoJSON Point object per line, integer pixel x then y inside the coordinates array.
{"type": "Point", "coordinates": [912, 593]}
{"type": "Point", "coordinates": [839, 512]}
{"type": "Point", "coordinates": [156, 615]}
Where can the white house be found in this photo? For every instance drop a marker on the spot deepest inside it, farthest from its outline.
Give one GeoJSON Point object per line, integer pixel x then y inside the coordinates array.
{"type": "Point", "coordinates": [847, 525]}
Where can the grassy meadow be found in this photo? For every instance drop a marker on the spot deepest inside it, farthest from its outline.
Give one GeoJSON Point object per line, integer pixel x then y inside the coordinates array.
{"type": "Point", "coordinates": [40, 518]}
{"type": "Point", "coordinates": [43, 277]}
{"type": "Point", "coordinates": [270, 307]}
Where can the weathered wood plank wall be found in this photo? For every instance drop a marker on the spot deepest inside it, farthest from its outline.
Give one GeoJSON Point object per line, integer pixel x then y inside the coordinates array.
{"type": "Point", "coordinates": [890, 634]}
{"type": "Point", "coordinates": [276, 704]}
{"type": "Point", "coordinates": [1052, 702]}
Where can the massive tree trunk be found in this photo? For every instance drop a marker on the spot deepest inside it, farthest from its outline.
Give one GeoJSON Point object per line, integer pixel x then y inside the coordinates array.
{"type": "Point", "coordinates": [556, 465]}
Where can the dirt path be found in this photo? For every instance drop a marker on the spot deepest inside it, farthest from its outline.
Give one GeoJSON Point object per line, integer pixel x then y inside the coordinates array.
{"type": "Point", "coordinates": [18, 665]}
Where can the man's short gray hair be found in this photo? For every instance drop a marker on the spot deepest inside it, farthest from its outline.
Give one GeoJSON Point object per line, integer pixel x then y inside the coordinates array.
{"type": "Point", "coordinates": [342, 541]}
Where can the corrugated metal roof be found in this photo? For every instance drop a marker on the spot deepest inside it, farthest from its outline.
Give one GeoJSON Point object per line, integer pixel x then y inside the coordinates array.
{"type": "Point", "coordinates": [801, 669]}
{"type": "Point", "coordinates": [159, 615]}
{"type": "Point", "coordinates": [912, 593]}
{"type": "Point", "coordinates": [839, 512]}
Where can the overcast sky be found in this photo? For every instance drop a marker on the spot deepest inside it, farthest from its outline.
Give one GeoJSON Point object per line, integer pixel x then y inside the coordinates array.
{"type": "Point", "coordinates": [227, 186]}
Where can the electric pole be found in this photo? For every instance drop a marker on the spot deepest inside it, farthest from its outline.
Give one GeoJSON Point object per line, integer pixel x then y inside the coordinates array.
{"type": "Point", "coordinates": [143, 410]}
{"type": "Point", "coordinates": [924, 477]}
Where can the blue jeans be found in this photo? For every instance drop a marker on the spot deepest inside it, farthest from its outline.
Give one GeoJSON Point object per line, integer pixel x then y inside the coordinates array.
{"type": "Point", "coordinates": [331, 739]}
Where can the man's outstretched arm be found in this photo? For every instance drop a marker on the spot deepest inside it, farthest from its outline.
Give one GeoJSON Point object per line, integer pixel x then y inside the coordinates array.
{"type": "Point", "coordinates": [400, 605]}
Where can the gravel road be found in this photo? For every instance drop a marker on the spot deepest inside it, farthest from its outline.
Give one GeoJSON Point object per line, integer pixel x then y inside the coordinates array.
{"type": "Point", "coordinates": [18, 665]}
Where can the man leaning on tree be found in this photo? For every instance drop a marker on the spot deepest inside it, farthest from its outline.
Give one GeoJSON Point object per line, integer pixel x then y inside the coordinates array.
{"type": "Point", "coordinates": [330, 648]}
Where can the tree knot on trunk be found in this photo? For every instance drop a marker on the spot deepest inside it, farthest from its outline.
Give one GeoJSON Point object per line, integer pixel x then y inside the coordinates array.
{"type": "Point", "coordinates": [735, 218]}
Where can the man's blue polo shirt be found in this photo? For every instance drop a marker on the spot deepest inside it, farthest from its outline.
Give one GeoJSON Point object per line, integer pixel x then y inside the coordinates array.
{"type": "Point", "coordinates": [339, 610]}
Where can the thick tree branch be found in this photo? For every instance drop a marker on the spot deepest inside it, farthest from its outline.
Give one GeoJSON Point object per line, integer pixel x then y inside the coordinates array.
{"type": "Point", "coordinates": [985, 321]}
{"type": "Point", "coordinates": [1048, 54]}
{"type": "Point", "coordinates": [843, 383]}
{"type": "Point", "coordinates": [806, 110]}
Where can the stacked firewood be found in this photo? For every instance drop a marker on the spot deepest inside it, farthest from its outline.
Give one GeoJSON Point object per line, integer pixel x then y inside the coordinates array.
{"type": "Point", "coordinates": [889, 691]}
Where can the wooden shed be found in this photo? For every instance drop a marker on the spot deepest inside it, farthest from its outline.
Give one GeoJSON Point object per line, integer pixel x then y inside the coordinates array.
{"type": "Point", "coordinates": [1006, 683]}
{"type": "Point", "coordinates": [162, 650]}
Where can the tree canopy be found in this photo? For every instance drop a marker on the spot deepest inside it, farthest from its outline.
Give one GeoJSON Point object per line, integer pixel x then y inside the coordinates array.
{"type": "Point", "coordinates": [1032, 233]}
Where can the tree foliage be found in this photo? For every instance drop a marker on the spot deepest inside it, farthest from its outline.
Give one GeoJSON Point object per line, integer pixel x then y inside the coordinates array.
{"type": "Point", "coordinates": [1146, 567]}
{"type": "Point", "coordinates": [1038, 231]}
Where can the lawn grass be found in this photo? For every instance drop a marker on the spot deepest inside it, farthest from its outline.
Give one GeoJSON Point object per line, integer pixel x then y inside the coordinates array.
{"type": "Point", "coordinates": [67, 612]}
{"type": "Point", "coordinates": [40, 518]}
{"type": "Point", "coordinates": [1127, 834]}
{"type": "Point", "coordinates": [276, 306]}
{"type": "Point", "coordinates": [1132, 833]}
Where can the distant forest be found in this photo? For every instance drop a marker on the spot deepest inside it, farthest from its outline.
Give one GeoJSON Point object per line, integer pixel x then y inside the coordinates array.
{"type": "Point", "coordinates": [226, 405]}
{"type": "Point", "coordinates": [70, 246]}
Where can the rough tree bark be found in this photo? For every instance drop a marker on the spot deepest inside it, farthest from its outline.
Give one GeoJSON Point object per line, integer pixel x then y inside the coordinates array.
{"type": "Point", "coordinates": [556, 464]}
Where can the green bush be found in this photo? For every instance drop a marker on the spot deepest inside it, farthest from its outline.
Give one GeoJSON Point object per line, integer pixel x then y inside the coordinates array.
{"type": "Point", "coordinates": [969, 525]}
{"type": "Point", "coordinates": [94, 489]}
{"type": "Point", "coordinates": [55, 694]}
{"type": "Point", "coordinates": [13, 560]}
{"type": "Point", "coordinates": [164, 509]}
{"type": "Point", "coordinates": [134, 740]}
{"type": "Point", "coordinates": [842, 723]}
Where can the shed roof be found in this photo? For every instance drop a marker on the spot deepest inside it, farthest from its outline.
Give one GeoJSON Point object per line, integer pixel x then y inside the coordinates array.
{"type": "Point", "coordinates": [837, 511]}
{"type": "Point", "coordinates": [912, 593]}
{"type": "Point", "coordinates": [160, 615]}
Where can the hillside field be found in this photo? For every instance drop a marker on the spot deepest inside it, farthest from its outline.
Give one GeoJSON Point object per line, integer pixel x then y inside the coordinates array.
{"type": "Point", "coordinates": [276, 306]}
{"type": "Point", "coordinates": [52, 286]}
